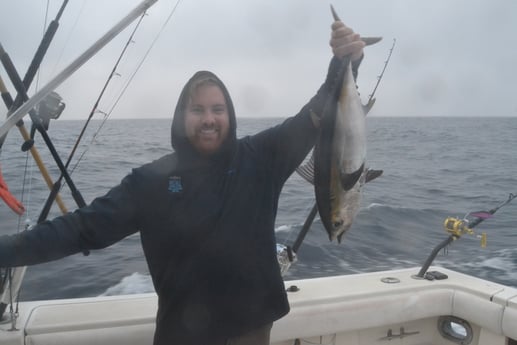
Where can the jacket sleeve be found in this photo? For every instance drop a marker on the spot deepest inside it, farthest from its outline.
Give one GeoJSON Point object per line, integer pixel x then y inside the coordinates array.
{"type": "Point", "coordinates": [287, 144]}
{"type": "Point", "coordinates": [105, 221]}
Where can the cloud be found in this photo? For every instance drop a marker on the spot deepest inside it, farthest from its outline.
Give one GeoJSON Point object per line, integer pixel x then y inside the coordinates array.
{"type": "Point", "coordinates": [451, 58]}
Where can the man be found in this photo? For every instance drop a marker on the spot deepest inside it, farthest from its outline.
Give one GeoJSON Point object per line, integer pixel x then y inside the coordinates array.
{"type": "Point", "coordinates": [205, 214]}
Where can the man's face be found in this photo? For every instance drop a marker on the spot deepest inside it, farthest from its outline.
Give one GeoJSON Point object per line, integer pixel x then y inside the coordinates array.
{"type": "Point", "coordinates": [207, 122]}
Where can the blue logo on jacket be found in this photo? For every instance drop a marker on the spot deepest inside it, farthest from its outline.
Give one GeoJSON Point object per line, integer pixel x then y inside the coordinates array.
{"type": "Point", "coordinates": [175, 184]}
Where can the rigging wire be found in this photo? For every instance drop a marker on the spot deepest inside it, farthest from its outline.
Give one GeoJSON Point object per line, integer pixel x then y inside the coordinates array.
{"type": "Point", "coordinates": [124, 89]}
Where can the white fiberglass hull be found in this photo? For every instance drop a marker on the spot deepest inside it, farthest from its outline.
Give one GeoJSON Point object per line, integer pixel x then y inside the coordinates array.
{"type": "Point", "coordinates": [352, 309]}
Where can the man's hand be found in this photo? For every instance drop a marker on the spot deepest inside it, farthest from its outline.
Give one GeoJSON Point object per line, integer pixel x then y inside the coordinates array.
{"type": "Point", "coordinates": [344, 41]}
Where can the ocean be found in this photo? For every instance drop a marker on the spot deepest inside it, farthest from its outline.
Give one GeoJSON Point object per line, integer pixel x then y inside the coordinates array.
{"type": "Point", "coordinates": [433, 168]}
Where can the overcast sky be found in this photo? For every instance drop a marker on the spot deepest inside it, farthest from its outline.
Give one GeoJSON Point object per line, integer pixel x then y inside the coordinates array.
{"type": "Point", "coordinates": [452, 57]}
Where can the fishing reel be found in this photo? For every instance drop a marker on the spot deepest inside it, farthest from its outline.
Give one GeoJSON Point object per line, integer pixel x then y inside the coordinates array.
{"type": "Point", "coordinates": [50, 108]}
{"type": "Point", "coordinates": [458, 227]}
{"type": "Point", "coordinates": [286, 256]}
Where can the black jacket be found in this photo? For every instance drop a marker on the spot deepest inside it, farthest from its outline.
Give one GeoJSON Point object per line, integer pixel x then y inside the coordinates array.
{"type": "Point", "coordinates": [207, 228]}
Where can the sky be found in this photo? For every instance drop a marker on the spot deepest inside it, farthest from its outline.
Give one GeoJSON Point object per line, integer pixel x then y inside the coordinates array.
{"type": "Point", "coordinates": [451, 57]}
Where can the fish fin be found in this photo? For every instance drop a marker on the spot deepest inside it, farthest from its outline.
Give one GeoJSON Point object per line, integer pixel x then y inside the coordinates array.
{"type": "Point", "coordinates": [368, 106]}
{"type": "Point", "coordinates": [372, 174]}
{"type": "Point", "coordinates": [370, 40]}
{"type": "Point", "coordinates": [307, 170]}
{"type": "Point", "coordinates": [349, 180]}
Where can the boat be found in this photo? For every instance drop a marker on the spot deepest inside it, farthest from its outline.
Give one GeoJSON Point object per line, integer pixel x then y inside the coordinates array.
{"type": "Point", "coordinates": [390, 307]}
{"type": "Point", "coordinates": [412, 306]}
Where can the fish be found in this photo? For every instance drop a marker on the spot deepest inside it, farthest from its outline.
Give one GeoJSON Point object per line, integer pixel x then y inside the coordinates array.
{"type": "Point", "coordinates": [337, 167]}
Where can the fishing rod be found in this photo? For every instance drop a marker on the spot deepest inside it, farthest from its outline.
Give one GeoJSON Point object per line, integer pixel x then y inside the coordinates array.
{"type": "Point", "coordinates": [61, 77]}
{"type": "Point", "coordinates": [286, 255]}
{"type": "Point", "coordinates": [38, 123]}
{"type": "Point", "coordinates": [27, 81]}
{"type": "Point", "coordinates": [14, 117]}
{"type": "Point", "coordinates": [36, 61]}
{"type": "Point", "coordinates": [457, 227]}
{"type": "Point", "coordinates": [15, 275]}
{"type": "Point", "coordinates": [128, 82]}
{"type": "Point", "coordinates": [371, 100]}
{"type": "Point", "coordinates": [74, 66]}
{"type": "Point", "coordinates": [8, 100]}
{"type": "Point", "coordinates": [57, 185]}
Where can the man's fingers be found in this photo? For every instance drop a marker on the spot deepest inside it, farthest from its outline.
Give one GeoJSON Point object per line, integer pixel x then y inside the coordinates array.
{"type": "Point", "coordinates": [355, 49]}
{"type": "Point", "coordinates": [339, 29]}
{"type": "Point", "coordinates": [344, 41]}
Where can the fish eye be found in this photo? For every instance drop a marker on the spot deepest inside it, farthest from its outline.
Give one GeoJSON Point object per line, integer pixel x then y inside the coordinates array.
{"type": "Point", "coordinates": [337, 224]}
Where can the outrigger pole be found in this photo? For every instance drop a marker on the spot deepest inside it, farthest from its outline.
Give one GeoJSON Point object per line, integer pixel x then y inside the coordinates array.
{"type": "Point", "coordinates": [74, 66]}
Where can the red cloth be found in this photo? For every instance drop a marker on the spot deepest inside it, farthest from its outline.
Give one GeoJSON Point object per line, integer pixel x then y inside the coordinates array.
{"type": "Point", "coordinates": [8, 198]}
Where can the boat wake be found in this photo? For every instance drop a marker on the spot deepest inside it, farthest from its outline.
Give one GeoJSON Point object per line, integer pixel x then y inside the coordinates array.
{"type": "Point", "coordinates": [132, 284]}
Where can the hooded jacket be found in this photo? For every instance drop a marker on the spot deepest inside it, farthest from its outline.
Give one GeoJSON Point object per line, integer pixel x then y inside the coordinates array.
{"type": "Point", "coordinates": [206, 225]}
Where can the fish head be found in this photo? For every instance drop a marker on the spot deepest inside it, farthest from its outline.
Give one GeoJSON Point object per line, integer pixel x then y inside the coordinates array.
{"type": "Point", "coordinates": [342, 216]}
{"type": "Point", "coordinates": [340, 226]}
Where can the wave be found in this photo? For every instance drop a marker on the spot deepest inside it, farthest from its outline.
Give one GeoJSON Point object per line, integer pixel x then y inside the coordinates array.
{"type": "Point", "coordinates": [132, 284]}
{"type": "Point", "coordinates": [284, 228]}
{"type": "Point", "coordinates": [499, 266]}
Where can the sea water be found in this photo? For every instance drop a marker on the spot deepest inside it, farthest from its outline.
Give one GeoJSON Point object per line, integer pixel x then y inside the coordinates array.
{"type": "Point", "coordinates": [433, 168]}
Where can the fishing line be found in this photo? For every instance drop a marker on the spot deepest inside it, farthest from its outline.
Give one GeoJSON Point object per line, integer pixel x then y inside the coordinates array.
{"type": "Point", "coordinates": [124, 89]}
{"type": "Point", "coordinates": [67, 40]}
{"type": "Point", "coordinates": [57, 184]}
{"type": "Point", "coordinates": [29, 164]}
{"type": "Point", "coordinates": [26, 195]}
{"type": "Point", "coordinates": [96, 105]}
{"type": "Point", "coordinates": [45, 21]}
{"type": "Point", "coordinates": [141, 62]}
{"type": "Point", "coordinates": [22, 86]}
